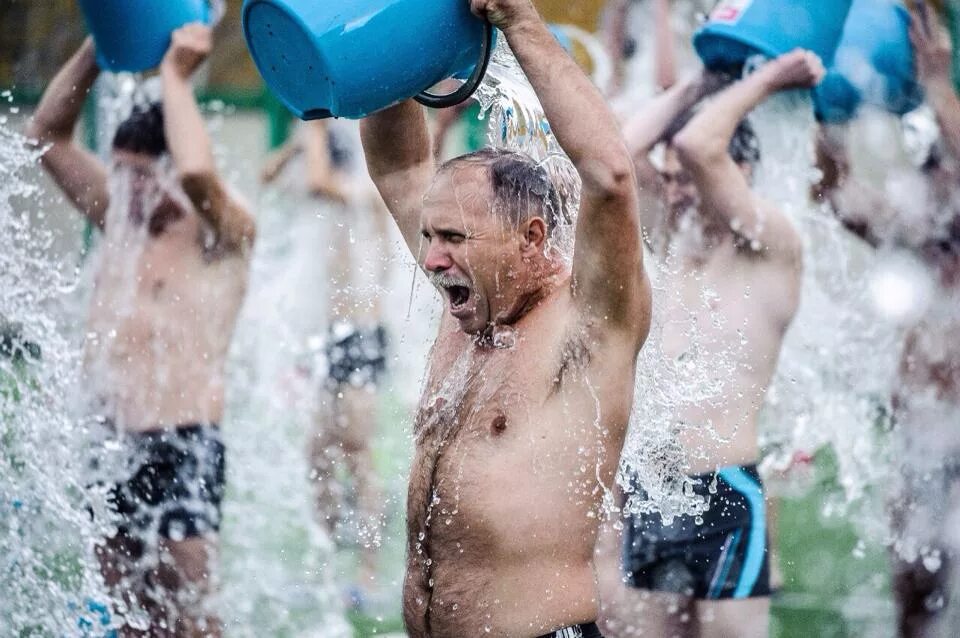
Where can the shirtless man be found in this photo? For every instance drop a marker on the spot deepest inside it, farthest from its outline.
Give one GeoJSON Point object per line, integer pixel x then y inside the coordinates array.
{"type": "Point", "coordinates": [712, 578]}
{"type": "Point", "coordinates": [530, 380]}
{"type": "Point", "coordinates": [172, 275]}
{"type": "Point", "coordinates": [343, 471]}
{"type": "Point", "coordinates": [925, 225]}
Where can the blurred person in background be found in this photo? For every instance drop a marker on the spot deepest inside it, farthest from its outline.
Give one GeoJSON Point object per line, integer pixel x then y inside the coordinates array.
{"type": "Point", "coordinates": [355, 353]}
{"type": "Point", "coordinates": [172, 274]}
{"type": "Point", "coordinates": [916, 221]}
{"type": "Point", "coordinates": [710, 231]}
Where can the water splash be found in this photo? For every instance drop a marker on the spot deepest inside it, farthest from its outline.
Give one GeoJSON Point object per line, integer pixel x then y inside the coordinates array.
{"type": "Point", "coordinates": [517, 122]}
{"type": "Point", "coordinates": [833, 386]}
{"type": "Point", "coordinates": [46, 531]}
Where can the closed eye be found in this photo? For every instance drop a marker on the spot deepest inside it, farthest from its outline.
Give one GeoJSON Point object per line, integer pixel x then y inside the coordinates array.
{"type": "Point", "coordinates": [453, 238]}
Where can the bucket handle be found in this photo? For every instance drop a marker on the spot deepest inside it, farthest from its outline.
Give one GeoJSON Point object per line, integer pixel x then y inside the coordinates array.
{"type": "Point", "coordinates": [469, 87]}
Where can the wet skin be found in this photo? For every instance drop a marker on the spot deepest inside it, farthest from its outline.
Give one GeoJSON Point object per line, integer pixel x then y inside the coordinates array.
{"type": "Point", "coordinates": [163, 311]}
{"type": "Point", "coordinates": [754, 296]}
{"type": "Point", "coordinates": [517, 434]}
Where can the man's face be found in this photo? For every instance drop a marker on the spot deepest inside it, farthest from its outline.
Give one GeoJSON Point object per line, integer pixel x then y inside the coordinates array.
{"type": "Point", "coordinates": [679, 192]}
{"type": "Point", "coordinates": [473, 255]}
{"type": "Point", "coordinates": [149, 186]}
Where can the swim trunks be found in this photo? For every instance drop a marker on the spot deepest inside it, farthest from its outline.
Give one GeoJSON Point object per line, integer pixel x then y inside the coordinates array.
{"type": "Point", "coordinates": [722, 557]}
{"type": "Point", "coordinates": [174, 483]}
{"type": "Point", "coordinates": [579, 631]}
{"type": "Point", "coordinates": [356, 356]}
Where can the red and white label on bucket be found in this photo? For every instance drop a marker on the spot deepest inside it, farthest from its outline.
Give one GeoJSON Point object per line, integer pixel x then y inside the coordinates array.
{"type": "Point", "coordinates": [729, 11]}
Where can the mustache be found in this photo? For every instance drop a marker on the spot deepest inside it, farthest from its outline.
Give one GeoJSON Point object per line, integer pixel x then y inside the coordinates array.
{"type": "Point", "coordinates": [444, 280]}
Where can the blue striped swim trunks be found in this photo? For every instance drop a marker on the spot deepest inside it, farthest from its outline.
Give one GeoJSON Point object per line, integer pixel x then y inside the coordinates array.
{"type": "Point", "coordinates": [723, 557]}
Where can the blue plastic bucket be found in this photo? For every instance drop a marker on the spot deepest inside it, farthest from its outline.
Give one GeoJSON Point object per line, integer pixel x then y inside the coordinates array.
{"type": "Point", "coordinates": [738, 29]}
{"type": "Point", "coordinates": [874, 64]}
{"type": "Point", "coordinates": [133, 35]}
{"type": "Point", "coordinates": [351, 58]}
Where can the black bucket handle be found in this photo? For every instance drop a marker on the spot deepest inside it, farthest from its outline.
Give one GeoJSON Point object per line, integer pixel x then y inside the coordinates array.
{"type": "Point", "coordinates": [471, 85]}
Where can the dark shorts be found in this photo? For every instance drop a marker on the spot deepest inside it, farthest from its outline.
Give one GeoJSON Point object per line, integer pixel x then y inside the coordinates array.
{"type": "Point", "coordinates": [355, 356]}
{"type": "Point", "coordinates": [723, 557]}
{"type": "Point", "coordinates": [175, 483]}
{"type": "Point", "coordinates": [579, 631]}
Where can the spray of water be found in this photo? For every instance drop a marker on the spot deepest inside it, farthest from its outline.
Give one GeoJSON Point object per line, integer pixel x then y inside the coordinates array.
{"type": "Point", "coordinates": [46, 530]}
{"type": "Point", "coordinates": [665, 384]}
{"type": "Point", "coordinates": [834, 382]}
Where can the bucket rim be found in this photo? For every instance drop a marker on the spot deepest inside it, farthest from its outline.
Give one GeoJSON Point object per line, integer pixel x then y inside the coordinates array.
{"type": "Point", "coordinates": [294, 17]}
{"type": "Point", "coordinates": [703, 33]}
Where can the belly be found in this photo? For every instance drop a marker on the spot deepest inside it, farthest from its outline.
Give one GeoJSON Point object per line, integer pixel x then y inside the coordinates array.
{"type": "Point", "coordinates": [509, 536]}
{"type": "Point", "coordinates": [154, 368]}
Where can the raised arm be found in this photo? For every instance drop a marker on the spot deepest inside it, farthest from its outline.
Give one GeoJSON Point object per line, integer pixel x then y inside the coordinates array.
{"type": "Point", "coordinates": [724, 189]}
{"type": "Point", "coordinates": [616, 39]}
{"type": "Point", "coordinates": [190, 145]}
{"type": "Point", "coordinates": [396, 143]}
{"type": "Point", "coordinates": [656, 119]}
{"type": "Point", "coordinates": [608, 277]}
{"type": "Point", "coordinates": [80, 175]}
{"type": "Point", "coordinates": [934, 59]}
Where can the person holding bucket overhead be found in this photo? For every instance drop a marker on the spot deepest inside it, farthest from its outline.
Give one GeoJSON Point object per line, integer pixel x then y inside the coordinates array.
{"type": "Point", "coordinates": [920, 228]}
{"type": "Point", "coordinates": [709, 575]}
{"type": "Point", "coordinates": [530, 380]}
{"type": "Point", "coordinates": [173, 264]}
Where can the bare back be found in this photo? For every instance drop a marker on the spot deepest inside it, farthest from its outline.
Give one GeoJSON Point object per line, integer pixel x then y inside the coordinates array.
{"type": "Point", "coordinates": [161, 322]}
{"type": "Point", "coordinates": [512, 459]}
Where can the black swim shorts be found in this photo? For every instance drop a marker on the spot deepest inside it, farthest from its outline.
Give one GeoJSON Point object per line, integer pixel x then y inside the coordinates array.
{"type": "Point", "coordinates": [356, 357]}
{"type": "Point", "coordinates": [174, 483]}
{"type": "Point", "coordinates": [579, 631]}
{"type": "Point", "coordinates": [723, 557]}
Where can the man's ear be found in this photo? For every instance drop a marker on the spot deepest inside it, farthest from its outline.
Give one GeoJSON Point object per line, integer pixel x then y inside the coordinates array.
{"type": "Point", "coordinates": [534, 234]}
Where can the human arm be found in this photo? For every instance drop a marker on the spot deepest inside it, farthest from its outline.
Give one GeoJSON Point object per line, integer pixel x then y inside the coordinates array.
{"type": "Point", "coordinates": [279, 159]}
{"type": "Point", "coordinates": [190, 146]}
{"type": "Point", "coordinates": [616, 39]}
{"type": "Point", "coordinates": [323, 178]}
{"type": "Point", "coordinates": [608, 277]}
{"type": "Point", "coordinates": [723, 187]}
{"type": "Point", "coordinates": [934, 58]}
{"type": "Point", "coordinates": [658, 118]}
{"type": "Point", "coordinates": [81, 176]}
{"type": "Point", "coordinates": [396, 143]}
{"type": "Point", "coordinates": [666, 54]}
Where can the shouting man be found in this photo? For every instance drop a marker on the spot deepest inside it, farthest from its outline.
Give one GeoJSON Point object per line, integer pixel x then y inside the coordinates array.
{"type": "Point", "coordinates": [531, 378]}
{"type": "Point", "coordinates": [171, 279]}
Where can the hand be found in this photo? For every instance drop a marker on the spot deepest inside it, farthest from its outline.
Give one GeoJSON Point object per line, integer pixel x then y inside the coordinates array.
{"type": "Point", "coordinates": [504, 14]}
{"type": "Point", "coordinates": [799, 69]}
{"type": "Point", "coordinates": [189, 47]}
{"type": "Point", "coordinates": [931, 43]}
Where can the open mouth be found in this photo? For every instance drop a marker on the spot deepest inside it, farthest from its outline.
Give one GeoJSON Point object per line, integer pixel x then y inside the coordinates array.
{"type": "Point", "coordinates": [459, 296]}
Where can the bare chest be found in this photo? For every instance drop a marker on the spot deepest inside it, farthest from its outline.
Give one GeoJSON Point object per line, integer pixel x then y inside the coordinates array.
{"type": "Point", "coordinates": [728, 305]}
{"type": "Point", "coordinates": [165, 290]}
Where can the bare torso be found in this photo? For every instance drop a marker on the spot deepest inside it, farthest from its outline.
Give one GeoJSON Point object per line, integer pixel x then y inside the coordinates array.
{"type": "Point", "coordinates": [742, 305]}
{"type": "Point", "coordinates": [511, 461]}
{"type": "Point", "coordinates": [161, 320]}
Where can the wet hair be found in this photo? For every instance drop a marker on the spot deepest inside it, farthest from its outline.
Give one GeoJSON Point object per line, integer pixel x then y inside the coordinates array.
{"type": "Point", "coordinates": [142, 132]}
{"type": "Point", "coordinates": [744, 146]}
{"type": "Point", "coordinates": [520, 185]}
